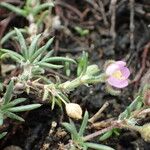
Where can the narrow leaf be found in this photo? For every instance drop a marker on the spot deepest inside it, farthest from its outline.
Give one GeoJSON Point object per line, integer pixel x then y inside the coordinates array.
{"type": "Point", "coordinates": [70, 129]}
{"type": "Point", "coordinates": [2, 135]}
{"type": "Point", "coordinates": [42, 50]}
{"type": "Point", "coordinates": [13, 55]}
{"type": "Point", "coordinates": [84, 123]}
{"type": "Point", "coordinates": [106, 135]}
{"type": "Point", "coordinates": [41, 7]}
{"type": "Point", "coordinates": [8, 94]}
{"type": "Point", "coordinates": [22, 43]}
{"type": "Point", "coordinates": [1, 118]}
{"type": "Point", "coordinates": [98, 146]}
{"type": "Point", "coordinates": [33, 45]}
{"type": "Point", "coordinates": [82, 65]}
{"type": "Point", "coordinates": [130, 108]}
{"type": "Point", "coordinates": [13, 103]}
{"type": "Point", "coordinates": [48, 65]}
{"type": "Point", "coordinates": [49, 54]}
{"type": "Point", "coordinates": [24, 108]}
{"type": "Point", "coordinates": [13, 116]}
{"type": "Point", "coordinates": [57, 59]}
{"type": "Point", "coordinates": [10, 34]}
{"type": "Point", "coordinates": [14, 9]}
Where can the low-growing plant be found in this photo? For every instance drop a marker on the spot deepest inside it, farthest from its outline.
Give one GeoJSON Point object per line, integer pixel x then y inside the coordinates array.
{"type": "Point", "coordinates": [77, 136]}
{"type": "Point", "coordinates": [82, 32]}
{"type": "Point", "coordinates": [28, 10]}
{"type": "Point", "coordinates": [34, 16]}
{"type": "Point", "coordinates": [128, 119]}
{"type": "Point", "coordinates": [34, 61]}
{"type": "Point", "coordinates": [9, 108]}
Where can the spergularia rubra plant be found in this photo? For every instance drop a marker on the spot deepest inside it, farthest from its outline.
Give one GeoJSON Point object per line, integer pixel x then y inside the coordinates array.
{"type": "Point", "coordinates": [118, 74]}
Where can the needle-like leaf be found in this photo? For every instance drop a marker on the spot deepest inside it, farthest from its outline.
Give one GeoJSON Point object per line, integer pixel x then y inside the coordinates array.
{"type": "Point", "coordinates": [84, 123]}
{"type": "Point", "coordinates": [8, 94]}
{"type": "Point", "coordinates": [57, 59]}
{"type": "Point", "coordinates": [33, 45]}
{"type": "Point", "coordinates": [41, 50]}
{"type": "Point", "coordinates": [24, 108]}
{"type": "Point", "coordinates": [22, 43]}
{"type": "Point", "coordinates": [14, 9]}
{"type": "Point", "coordinates": [13, 116]}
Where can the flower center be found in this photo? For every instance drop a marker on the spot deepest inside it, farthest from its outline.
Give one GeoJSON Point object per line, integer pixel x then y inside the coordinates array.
{"type": "Point", "coordinates": [118, 75]}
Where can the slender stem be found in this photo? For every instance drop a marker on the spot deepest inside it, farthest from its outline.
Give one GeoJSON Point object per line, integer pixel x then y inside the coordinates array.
{"type": "Point", "coordinates": [97, 133]}
{"type": "Point", "coordinates": [97, 115]}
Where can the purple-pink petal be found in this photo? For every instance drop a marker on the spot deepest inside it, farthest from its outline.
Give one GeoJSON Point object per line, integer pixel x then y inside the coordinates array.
{"type": "Point", "coordinates": [117, 83]}
{"type": "Point", "coordinates": [125, 72]}
{"type": "Point", "coordinates": [111, 69]}
{"type": "Point", "coordinates": [120, 63]}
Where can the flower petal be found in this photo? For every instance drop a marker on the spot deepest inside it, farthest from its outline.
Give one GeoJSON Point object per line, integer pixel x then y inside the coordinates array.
{"type": "Point", "coordinates": [125, 72]}
{"type": "Point", "coordinates": [120, 63]}
{"type": "Point", "coordinates": [111, 69]}
{"type": "Point", "coordinates": [117, 83]}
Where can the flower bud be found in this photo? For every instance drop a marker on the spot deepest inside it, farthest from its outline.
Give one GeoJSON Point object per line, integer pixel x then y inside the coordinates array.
{"type": "Point", "coordinates": [92, 69]}
{"type": "Point", "coordinates": [145, 132]}
{"type": "Point", "coordinates": [74, 111]}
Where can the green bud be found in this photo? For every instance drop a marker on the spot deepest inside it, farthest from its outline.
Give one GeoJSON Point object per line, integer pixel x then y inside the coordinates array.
{"type": "Point", "coordinates": [92, 70]}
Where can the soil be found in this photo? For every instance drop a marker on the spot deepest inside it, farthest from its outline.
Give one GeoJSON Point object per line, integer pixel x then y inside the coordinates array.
{"type": "Point", "coordinates": [102, 43]}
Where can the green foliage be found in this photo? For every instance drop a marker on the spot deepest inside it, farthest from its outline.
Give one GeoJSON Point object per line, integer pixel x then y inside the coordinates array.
{"type": "Point", "coordinates": [2, 135]}
{"type": "Point", "coordinates": [108, 134]}
{"type": "Point", "coordinates": [82, 63]}
{"type": "Point", "coordinates": [33, 59]}
{"type": "Point", "coordinates": [77, 136]}
{"type": "Point", "coordinates": [81, 31]}
{"type": "Point", "coordinates": [10, 34]}
{"type": "Point", "coordinates": [8, 106]}
{"type": "Point", "coordinates": [28, 8]}
{"type": "Point", "coordinates": [135, 105]}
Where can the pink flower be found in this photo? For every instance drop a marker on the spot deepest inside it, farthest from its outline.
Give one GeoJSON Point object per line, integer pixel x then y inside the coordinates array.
{"type": "Point", "coordinates": [118, 74]}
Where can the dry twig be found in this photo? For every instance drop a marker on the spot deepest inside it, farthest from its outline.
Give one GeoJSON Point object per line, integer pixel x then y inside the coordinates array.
{"type": "Point", "coordinates": [112, 11]}
{"type": "Point", "coordinates": [102, 9]}
{"type": "Point", "coordinates": [144, 57]}
{"type": "Point", "coordinates": [132, 26]}
{"type": "Point", "coordinates": [97, 115]}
